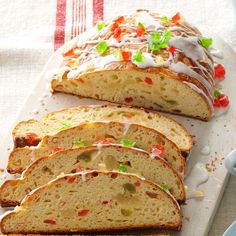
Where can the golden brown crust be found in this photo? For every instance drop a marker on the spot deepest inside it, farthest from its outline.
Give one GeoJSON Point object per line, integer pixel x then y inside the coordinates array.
{"type": "Point", "coordinates": [28, 198]}
{"type": "Point", "coordinates": [6, 203]}
{"type": "Point", "coordinates": [112, 123]}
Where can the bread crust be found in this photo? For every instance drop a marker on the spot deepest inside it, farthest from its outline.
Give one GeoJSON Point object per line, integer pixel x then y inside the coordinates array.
{"type": "Point", "coordinates": [7, 203]}
{"type": "Point", "coordinates": [177, 226]}
{"type": "Point", "coordinates": [112, 123]}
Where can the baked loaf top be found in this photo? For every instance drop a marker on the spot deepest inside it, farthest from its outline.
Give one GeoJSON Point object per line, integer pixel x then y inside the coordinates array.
{"type": "Point", "coordinates": [77, 203]}
{"type": "Point", "coordinates": [29, 133]}
{"type": "Point", "coordinates": [144, 41]}
{"type": "Point", "coordinates": [100, 133]}
{"type": "Point", "coordinates": [110, 157]}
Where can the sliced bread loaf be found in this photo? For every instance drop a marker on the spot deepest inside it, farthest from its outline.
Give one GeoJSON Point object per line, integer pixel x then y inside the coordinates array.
{"type": "Point", "coordinates": [102, 133]}
{"type": "Point", "coordinates": [94, 201]}
{"type": "Point", "coordinates": [29, 133]}
{"type": "Point", "coordinates": [167, 67]}
{"type": "Point", "coordinates": [107, 158]}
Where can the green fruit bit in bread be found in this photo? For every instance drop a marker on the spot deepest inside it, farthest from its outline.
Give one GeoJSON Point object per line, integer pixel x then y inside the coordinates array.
{"type": "Point", "coordinates": [164, 19]}
{"type": "Point", "coordinates": [102, 47]}
{"type": "Point", "coordinates": [122, 168]}
{"type": "Point", "coordinates": [100, 25]}
{"type": "Point", "coordinates": [138, 57]}
{"type": "Point", "coordinates": [128, 143]}
{"type": "Point", "coordinates": [65, 126]}
{"type": "Point", "coordinates": [79, 143]}
{"type": "Point", "coordinates": [129, 187]}
{"type": "Point", "coordinates": [164, 187]}
{"type": "Point", "coordinates": [206, 42]}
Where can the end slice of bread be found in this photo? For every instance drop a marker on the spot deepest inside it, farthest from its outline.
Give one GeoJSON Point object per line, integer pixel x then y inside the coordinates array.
{"type": "Point", "coordinates": [91, 133]}
{"type": "Point", "coordinates": [53, 122]}
{"type": "Point", "coordinates": [94, 201]}
{"type": "Point", "coordinates": [108, 158]}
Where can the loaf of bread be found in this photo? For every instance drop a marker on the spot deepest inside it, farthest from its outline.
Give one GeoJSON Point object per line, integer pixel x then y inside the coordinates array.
{"type": "Point", "coordinates": [29, 133]}
{"type": "Point", "coordinates": [94, 201]}
{"type": "Point", "coordinates": [142, 60]}
{"type": "Point", "coordinates": [109, 157]}
{"type": "Point", "coordinates": [101, 133]}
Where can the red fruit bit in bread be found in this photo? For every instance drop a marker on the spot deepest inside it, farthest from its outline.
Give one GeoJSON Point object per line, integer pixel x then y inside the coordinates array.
{"type": "Point", "coordinates": [129, 99]}
{"type": "Point", "coordinates": [81, 80]}
{"type": "Point", "coordinates": [140, 31]}
{"type": "Point", "coordinates": [137, 183]}
{"type": "Point", "coordinates": [117, 33]}
{"type": "Point", "coordinates": [71, 179]}
{"type": "Point", "coordinates": [68, 53]}
{"type": "Point", "coordinates": [219, 71]}
{"type": "Point", "coordinates": [83, 213]}
{"type": "Point", "coordinates": [50, 222]}
{"type": "Point", "coordinates": [114, 26]}
{"type": "Point", "coordinates": [126, 55]}
{"type": "Point", "coordinates": [129, 115]}
{"type": "Point", "coordinates": [31, 138]}
{"type": "Point", "coordinates": [148, 80]}
{"type": "Point", "coordinates": [176, 17]}
{"type": "Point", "coordinates": [104, 141]}
{"type": "Point", "coordinates": [54, 150]}
{"type": "Point", "coordinates": [119, 19]}
{"type": "Point", "coordinates": [105, 202]}
{"type": "Point", "coordinates": [157, 150]}
{"type": "Point", "coordinates": [172, 49]}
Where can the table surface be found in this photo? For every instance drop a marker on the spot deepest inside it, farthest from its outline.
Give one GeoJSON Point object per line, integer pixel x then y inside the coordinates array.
{"type": "Point", "coordinates": [26, 43]}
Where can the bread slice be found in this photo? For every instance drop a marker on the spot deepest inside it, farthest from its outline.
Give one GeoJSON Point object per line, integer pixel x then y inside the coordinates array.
{"type": "Point", "coordinates": [94, 201]}
{"type": "Point", "coordinates": [52, 123]}
{"type": "Point", "coordinates": [90, 133]}
{"type": "Point", "coordinates": [110, 157]}
{"type": "Point", "coordinates": [173, 73]}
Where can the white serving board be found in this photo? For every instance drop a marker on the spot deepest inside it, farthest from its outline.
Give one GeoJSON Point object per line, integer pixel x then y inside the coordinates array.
{"type": "Point", "coordinates": [219, 134]}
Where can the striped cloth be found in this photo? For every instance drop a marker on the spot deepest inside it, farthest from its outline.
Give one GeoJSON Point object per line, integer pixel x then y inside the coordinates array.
{"type": "Point", "coordinates": [32, 29]}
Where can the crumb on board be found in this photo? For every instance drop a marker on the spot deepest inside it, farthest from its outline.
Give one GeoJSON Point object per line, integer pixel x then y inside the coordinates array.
{"type": "Point", "coordinates": [212, 164]}
{"type": "Point", "coordinates": [187, 218]}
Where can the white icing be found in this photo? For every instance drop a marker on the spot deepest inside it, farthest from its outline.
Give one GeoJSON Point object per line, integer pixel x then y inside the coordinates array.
{"type": "Point", "coordinates": [189, 46]}
{"type": "Point", "coordinates": [205, 150]}
{"type": "Point", "coordinates": [216, 53]}
{"type": "Point", "coordinates": [126, 127]}
{"type": "Point", "coordinates": [198, 176]}
{"type": "Point", "coordinates": [99, 62]}
{"type": "Point", "coordinates": [146, 19]}
{"type": "Point", "coordinates": [83, 176]}
{"type": "Point", "coordinates": [220, 111]}
{"type": "Point", "coordinates": [148, 61]}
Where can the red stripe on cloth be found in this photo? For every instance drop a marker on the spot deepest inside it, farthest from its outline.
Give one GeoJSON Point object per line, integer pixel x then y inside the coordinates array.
{"type": "Point", "coordinates": [73, 20]}
{"type": "Point", "coordinates": [59, 35]}
{"type": "Point", "coordinates": [84, 25]}
{"type": "Point", "coordinates": [98, 11]}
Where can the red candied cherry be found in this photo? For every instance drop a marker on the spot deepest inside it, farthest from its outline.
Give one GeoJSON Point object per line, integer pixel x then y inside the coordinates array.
{"type": "Point", "coordinates": [54, 150]}
{"type": "Point", "coordinates": [216, 103]}
{"type": "Point", "coordinates": [223, 100]}
{"type": "Point", "coordinates": [157, 150]}
{"type": "Point", "coordinates": [129, 99]}
{"type": "Point", "coordinates": [114, 26]}
{"type": "Point", "coordinates": [83, 213]}
{"type": "Point", "coordinates": [119, 19]}
{"type": "Point", "coordinates": [117, 33]}
{"type": "Point", "coordinates": [31, 138]}
{"type": "Point", "coordinates": [126, 55]}
{"type": "Point", "coordinates": [176, 17]}
{"type": "Point", "coordinates": [148, 80]}
{"type": "Point", "coordinates": [68, 53]}
{"type": "Point", "coordinates": [51, 222]}
{"type": "Point", "coordinates": [140, 31]}
{"type": "Point", "coordinates": [172, 49]}
{"type": "Point", "coordinates": [219, 71]}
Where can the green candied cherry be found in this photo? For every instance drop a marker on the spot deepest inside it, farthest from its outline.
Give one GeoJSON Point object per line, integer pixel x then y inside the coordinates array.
{"type": "Point", "coordinates": [79, 143]}
{"type": "Point", "coordinates": [122, 168]}
{"type": "Point", "coordinates": [100, 25]}
{"type": "Point", "coordinates": [165, 187]}
{"type": "Point", "coordinates": [138, 57]}
{"type": "Point", "coordinates": [65, 126]}
{"type": "Point", "coordinates": [206, 42]}
{"type": "Point", "coordinates": [164, 19]}
{"type": "Point", "coordinates": [128, 143]}
{"type": "Point", "coordinates": [129, 187]}
{"type": "Point", "coordinates": [102, 47]}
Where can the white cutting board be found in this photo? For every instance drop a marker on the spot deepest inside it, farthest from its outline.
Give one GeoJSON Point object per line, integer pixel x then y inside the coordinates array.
{"type": "Point", "coordinates": [219, 134]}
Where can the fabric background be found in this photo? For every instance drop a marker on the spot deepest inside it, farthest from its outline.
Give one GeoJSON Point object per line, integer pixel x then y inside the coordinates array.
{"type": "Point", "coordinates": [31, 30]}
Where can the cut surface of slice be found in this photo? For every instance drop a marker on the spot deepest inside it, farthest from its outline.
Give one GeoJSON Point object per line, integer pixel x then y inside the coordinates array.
{"type": "Point", "coordinates": [99, 133]}
{"type": "Point", "coordinates": [109, 157]}
{"type": "Point", "coordinates": [29, 133]}
{"type": "Point", "coordinates": [94, 201]}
